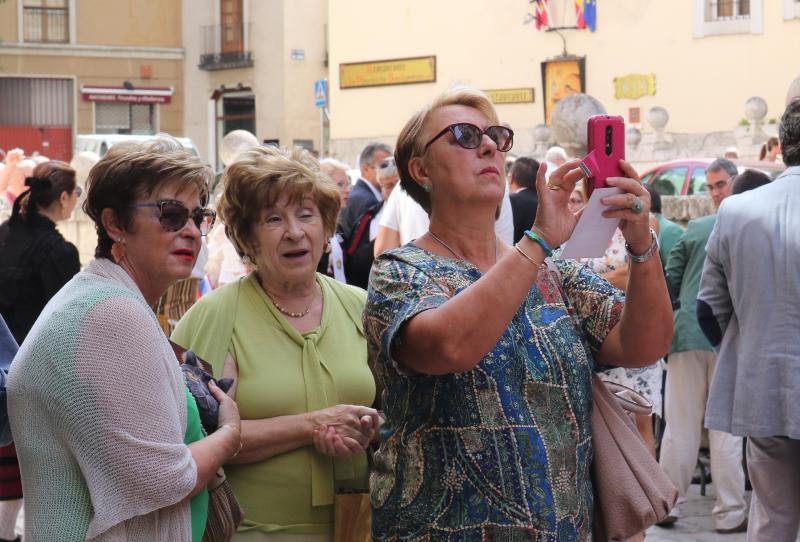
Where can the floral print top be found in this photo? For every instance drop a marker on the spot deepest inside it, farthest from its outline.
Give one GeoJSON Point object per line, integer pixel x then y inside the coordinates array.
{"type": "Point", "coordinates": [501, 452]}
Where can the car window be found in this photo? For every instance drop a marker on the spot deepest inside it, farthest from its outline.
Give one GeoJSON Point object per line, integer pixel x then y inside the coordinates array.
{"type": "Point", "coordinates": [697, 184]}
{"type": "Point", "coordinates": [670, 181]}
{"type": "Point", "coordinates": [646, 179]}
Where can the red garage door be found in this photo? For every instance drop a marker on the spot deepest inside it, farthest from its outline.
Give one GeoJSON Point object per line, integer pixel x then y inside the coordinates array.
{"type": "Point", "coordinates": [37, 116]}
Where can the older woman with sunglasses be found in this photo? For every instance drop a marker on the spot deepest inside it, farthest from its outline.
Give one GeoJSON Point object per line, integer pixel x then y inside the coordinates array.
{"type": "Point", "coordinates": [486, 350]}
{"type": "Point", "coordinates": [108, 436]}
{"type": "Point", "coordinates": [293, 341]}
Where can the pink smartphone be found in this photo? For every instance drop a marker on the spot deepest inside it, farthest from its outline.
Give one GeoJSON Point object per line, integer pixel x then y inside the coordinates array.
{"type": "Point", "coordinates": [606, 147]}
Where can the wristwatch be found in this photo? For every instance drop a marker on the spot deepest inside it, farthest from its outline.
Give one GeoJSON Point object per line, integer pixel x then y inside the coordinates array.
{"type": "Point", "coordinates": [652, 249]}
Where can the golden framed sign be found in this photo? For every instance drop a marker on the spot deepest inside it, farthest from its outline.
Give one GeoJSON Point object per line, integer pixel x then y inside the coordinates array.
{"type": "Point", "coordinates": [510, 95]}
{"type": "Point", "coordinates": [400, 71]}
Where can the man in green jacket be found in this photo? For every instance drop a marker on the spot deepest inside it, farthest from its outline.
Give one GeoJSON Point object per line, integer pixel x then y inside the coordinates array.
{"type": "Point", "coordinates": [668, 231]}
{"type": "Point", "coordinates": [689, 372]}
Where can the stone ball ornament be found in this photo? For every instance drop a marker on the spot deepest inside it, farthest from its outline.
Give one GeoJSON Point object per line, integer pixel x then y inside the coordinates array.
{"type": "Point", "coordinates": [658, 117]}
{"type": "Point", "coordinates": [755, 109]}
{"type": "Point", "coordinates": [633, 136]}
{"type": "Point", "coordinates": [568, 121]}
{"type": "Point", "coordinates": [794, 90]}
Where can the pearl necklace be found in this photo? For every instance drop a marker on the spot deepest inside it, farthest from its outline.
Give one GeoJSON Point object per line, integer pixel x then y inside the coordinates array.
{"type": "Point", "coordinates": [288, 313]}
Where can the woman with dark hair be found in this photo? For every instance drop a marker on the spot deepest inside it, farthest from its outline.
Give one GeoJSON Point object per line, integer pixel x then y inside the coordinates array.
{"type": "Point", "coordinates": [35, 262]}
{"type": "Point", "coordinates": [770, 150]}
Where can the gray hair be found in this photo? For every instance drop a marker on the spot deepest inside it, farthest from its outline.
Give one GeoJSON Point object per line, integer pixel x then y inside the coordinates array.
{"type": "Point", "coordinates": [555, 153]}
{"type": "Point", "coordinates": [789, 134]}
{"type": "Point", "coordinates": [723, 164]}
{"type": "Point", "coordinates": [368, 154]}
{"type": "Point", "coordinates": [387, 169]}
{"type": "Point", "coordinates": [329, 165]}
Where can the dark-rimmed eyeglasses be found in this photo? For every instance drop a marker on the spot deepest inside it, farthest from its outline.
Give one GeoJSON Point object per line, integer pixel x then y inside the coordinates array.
{"type": "Point", "coordinates": [470, 136]}
{"type": "Point", "coordinates": [173, 215]}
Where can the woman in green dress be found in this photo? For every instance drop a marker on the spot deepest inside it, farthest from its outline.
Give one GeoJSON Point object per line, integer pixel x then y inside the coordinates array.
{"type": "Point", "coordinates": [293, 341]}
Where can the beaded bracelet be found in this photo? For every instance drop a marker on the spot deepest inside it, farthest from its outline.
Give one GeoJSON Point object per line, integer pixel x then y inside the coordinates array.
{"type": "Point", "coordinates": [541, 242]}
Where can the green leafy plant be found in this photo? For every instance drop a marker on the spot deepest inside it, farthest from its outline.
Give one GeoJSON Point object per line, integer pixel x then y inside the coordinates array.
{"type": "Point", "coordinates": [744, 122]}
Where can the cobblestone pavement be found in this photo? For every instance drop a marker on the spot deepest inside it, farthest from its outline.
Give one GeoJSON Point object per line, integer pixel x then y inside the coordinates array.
{"type": "Point", "coordinates": [696, 523]}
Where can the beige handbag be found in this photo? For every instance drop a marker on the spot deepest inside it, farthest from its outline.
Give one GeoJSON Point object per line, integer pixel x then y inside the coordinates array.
{"type": "Point", "coordinates": [352, 517]}
{"type": "Point", "coordinates": [631, 490]}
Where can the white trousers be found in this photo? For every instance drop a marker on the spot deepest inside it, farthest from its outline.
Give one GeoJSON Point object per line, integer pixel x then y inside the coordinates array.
{"type": "Point", "coordinates": [774, 466]}
{"type": "Point", "coordinates": [688, 378]}
{"type": "Point", "coordinates": [9, 512]}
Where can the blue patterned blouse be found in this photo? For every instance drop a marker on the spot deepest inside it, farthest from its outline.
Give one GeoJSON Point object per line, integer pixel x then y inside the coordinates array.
{"type": "Point", "coordinates": [501, 452]}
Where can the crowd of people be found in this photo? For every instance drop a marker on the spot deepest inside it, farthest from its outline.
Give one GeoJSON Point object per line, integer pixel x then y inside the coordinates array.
{"type": "Point", "coordinates": [414, 335]}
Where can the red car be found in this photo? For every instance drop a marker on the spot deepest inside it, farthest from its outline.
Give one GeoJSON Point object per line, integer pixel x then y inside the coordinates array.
{"type": "Point", "coordinates": [687, 177]}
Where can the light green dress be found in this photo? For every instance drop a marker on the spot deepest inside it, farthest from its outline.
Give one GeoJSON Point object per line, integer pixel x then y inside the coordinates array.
{"type": "Point", "coordinates": [283, 372]}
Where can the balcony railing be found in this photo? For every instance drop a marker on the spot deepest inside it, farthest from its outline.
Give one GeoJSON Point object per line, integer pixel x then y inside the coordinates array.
{"type": "Point", "coordinates": [224, 47]}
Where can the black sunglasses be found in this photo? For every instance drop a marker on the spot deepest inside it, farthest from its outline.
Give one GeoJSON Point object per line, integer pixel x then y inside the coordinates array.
{"type": "Point", "coordinates": [469, 136]}
{"type": "Point", "coordinates": [173, 215]}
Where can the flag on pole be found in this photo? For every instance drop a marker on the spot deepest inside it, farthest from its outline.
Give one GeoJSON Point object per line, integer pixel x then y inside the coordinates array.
{"type": "Point", "coordinates": [579, 19]}
{"type": "Point", "coordinates": [590, 14]}
{"type": "Point", "coordinates": [540, 15]}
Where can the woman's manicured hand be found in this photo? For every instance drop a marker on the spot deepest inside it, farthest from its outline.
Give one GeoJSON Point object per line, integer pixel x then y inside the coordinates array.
{"type": "Point", "coordinates": [554, 221]}
{"type": "Point", "coordinates": [635, 226]}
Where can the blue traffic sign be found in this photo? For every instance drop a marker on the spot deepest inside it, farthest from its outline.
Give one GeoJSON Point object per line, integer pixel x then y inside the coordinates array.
{"type": "Point", "coordinates": [321, 92]}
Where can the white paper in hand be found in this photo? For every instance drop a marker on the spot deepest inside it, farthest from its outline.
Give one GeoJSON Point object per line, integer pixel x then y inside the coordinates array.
{"type": "Point", "coordinates": [593, 232]}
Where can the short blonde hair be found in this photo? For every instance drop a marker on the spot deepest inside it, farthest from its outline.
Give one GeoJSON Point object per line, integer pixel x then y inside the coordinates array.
{"type": "Point", "coordinates": [409, 144]}
{"type": "Point", "coordinates": [260, 177]}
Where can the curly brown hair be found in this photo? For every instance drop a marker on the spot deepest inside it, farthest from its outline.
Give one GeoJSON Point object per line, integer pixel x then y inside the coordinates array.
{"type": "Point", "coordinates": [259, 177]}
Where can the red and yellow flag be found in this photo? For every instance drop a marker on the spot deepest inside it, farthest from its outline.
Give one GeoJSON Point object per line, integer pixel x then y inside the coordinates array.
{"type": "Point", "coordinates": [540, 15]}
{"type": "Point", "coordinates": [580, 22]}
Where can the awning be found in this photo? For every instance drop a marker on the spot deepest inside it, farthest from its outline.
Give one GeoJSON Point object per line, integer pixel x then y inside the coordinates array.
{"type": "Point", "coordinates": [139, 95]}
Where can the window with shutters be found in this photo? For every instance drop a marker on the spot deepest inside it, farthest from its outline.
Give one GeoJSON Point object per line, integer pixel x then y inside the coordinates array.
{"type": "Point", "coordinates": [715, 17]}
{"type": "Point", "coordinates": [45, 21]}
{"type": "Point", "coordinates": [791, 9]}
{"type": "Point", "coordinates": [724, 10]}
{"type": "Point", "coordinates": [135, 119]}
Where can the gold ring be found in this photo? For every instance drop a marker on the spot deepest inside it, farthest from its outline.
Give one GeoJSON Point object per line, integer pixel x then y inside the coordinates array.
{"type": "Point", "coordinates": [553, 186]}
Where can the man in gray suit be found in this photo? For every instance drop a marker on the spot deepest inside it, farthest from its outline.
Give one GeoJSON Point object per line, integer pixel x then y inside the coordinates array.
{"type": "Point", "coordinates": [749, 308]}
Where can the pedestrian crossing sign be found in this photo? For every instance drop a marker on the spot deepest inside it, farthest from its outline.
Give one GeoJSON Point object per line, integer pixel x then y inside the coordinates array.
{"type": "Point", "coordinates": [321, 92]}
